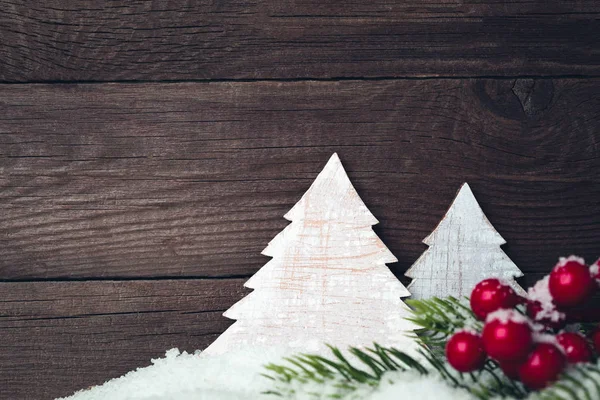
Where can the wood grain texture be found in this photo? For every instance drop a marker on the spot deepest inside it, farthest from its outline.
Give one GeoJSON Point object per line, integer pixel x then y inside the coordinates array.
{"type": "Point", "coordinates": [327, 283]}
{"type": "Point", "coordinates": [191, 179]}
{"type": "Point", "coordinates": [91, 40]}
{"type": "Point", "coordinates": [464, 249]}
{"type": "Point", "coordinates": [58, 337]}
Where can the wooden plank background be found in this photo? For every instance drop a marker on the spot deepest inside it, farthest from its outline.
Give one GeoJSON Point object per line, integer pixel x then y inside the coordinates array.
{"type": "Point", "coordinates": [57, 336]}
{"type": "Point", "coordinates": [95, 40]}
{"type": "Point", "coordinates": [148, 151]}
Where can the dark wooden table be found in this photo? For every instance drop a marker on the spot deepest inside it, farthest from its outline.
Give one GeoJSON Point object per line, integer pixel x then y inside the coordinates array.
{"type": "Point", "coordinates": [148, 150]}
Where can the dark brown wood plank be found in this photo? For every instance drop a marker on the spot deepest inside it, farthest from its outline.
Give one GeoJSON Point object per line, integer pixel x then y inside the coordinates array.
{"type": "Point", "coordinates": [192, 179]}
{"type": "Point", "coordinates": [91, 40]}
{"type": "Point", "coordinates": [60, 337]}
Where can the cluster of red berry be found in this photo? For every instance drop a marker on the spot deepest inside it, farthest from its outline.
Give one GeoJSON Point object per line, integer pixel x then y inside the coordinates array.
{"type": "Point", "coordinates": [531, 347]}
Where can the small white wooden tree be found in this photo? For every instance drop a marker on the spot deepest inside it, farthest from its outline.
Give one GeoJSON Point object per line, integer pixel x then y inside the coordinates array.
{"type": "Point", "coordinates": [327, 282]}
{"type": "Point", "coordinates": [464, 250]}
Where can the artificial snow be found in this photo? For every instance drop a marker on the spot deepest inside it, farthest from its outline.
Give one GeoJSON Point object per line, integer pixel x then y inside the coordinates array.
{"type": "Point", "coordinates": [546, 338]}
{"type": "Point", "coordinates": [470, 330]}
{"type": "Point", "coordinates": [237, 376]}
{"type": "Point", "coordinates": [182, 376]}
{"type": "Point", "coordinates": [595, 270]}
{"type": "Point", "coordinates": [506, 315]}
{"type": "Point", "coordinates": [407, 385]}
{"type": "Point", "coordinates": [540, 293]}
{"type": "Point", "coordinates": [562, 261]}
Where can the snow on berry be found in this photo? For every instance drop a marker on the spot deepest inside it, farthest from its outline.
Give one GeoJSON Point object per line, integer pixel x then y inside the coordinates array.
{"type": "Point", "coordinates": [595, 271]}
{"type": "Point", "coordinates": [507, 335]}
{"type": "Point", "coordinates": [506, 315]}
{"type": "Point", "coordinates": [562, 261]}
{"type": "Point", "coordinates": [570, 282]}
{"type": "Point", "coordinates": [490, 295]}
{"type": "Point", "coordinates": [468, 329]}
{"type": "Point", "coordinates": [541, 293]}
{"type": "Point", "coordinates": [540, 298]}
{"type": "Point", "coordinates": [539, 337]}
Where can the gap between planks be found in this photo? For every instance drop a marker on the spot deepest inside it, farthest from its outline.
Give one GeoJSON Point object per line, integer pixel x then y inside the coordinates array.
{"type": "Point", "coordinates": [128, 279]}
{"type": "Point", "coordinates": [303, 79]}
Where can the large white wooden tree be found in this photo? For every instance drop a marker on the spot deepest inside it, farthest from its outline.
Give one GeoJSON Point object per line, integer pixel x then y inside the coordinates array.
{"type": "Point", "coordinates": [464, 250]}
{"type": "Point", "coordinates": [327, 282]}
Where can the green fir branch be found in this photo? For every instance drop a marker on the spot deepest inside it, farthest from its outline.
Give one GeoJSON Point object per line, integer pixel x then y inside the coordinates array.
{"type": "Point", "coordinates": [580, 382]}
{"type": "Point", "coordinates": [366, 368]}
{"type": "Point", "coordinates": [438, 319]}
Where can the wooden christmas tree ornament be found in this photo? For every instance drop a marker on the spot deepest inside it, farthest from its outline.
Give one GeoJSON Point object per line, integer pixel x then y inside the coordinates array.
{"type": "Point", "coordinates": [464, 250]}
{"type": "Point", "coordinates": [327, 282]}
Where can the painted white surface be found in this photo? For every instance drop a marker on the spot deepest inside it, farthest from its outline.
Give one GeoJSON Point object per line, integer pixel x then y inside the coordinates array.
{"type": "Point", "coordinates": [327, 282]}
{"type": "Point", "coordinates": [464, 250]}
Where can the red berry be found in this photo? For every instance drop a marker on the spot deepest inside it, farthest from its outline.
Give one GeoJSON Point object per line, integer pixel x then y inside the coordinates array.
{"type": "Point", "coordinates": [510, 369]}
{"type": "Point", "coordinates": [464, 352]}
{"type": "Point", "coordinates": [552, 318]}
{"type": "Point", "coordinates": [507, 336]}
{"type": "Point", "coordinates": [596, 339]}
{"type": "Point", "coordinates": [575, 346]}
{"type": "Point", "coordinates": [542, 367]}
{"type": "Point", "coordinates": [491, 295]}
{"type": "Point", "coordinates": [570, 282]}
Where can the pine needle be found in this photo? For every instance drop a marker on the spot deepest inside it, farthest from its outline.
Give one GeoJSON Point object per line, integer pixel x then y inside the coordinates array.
{"type": "Point", "coordinates": [438, 320]}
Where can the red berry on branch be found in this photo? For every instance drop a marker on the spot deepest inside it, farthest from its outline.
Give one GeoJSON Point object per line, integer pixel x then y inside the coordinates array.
{"type": "Point", "coordinates": [464, 352]}
{"type": "Point", "coordinates": [570, 282]}
{"type": "Point", "coordinates": [491, 295]}
{"type": "Point", "coordinates": [575, 346]}
{"type": "Point", "coordinates": [596, 339]}
{"type": "Point", "coordinates": [542, 367]}
{"type": "Point", "coordinates": [510, 369]}
{"type": "Point", "coordinates": [507, 336]}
